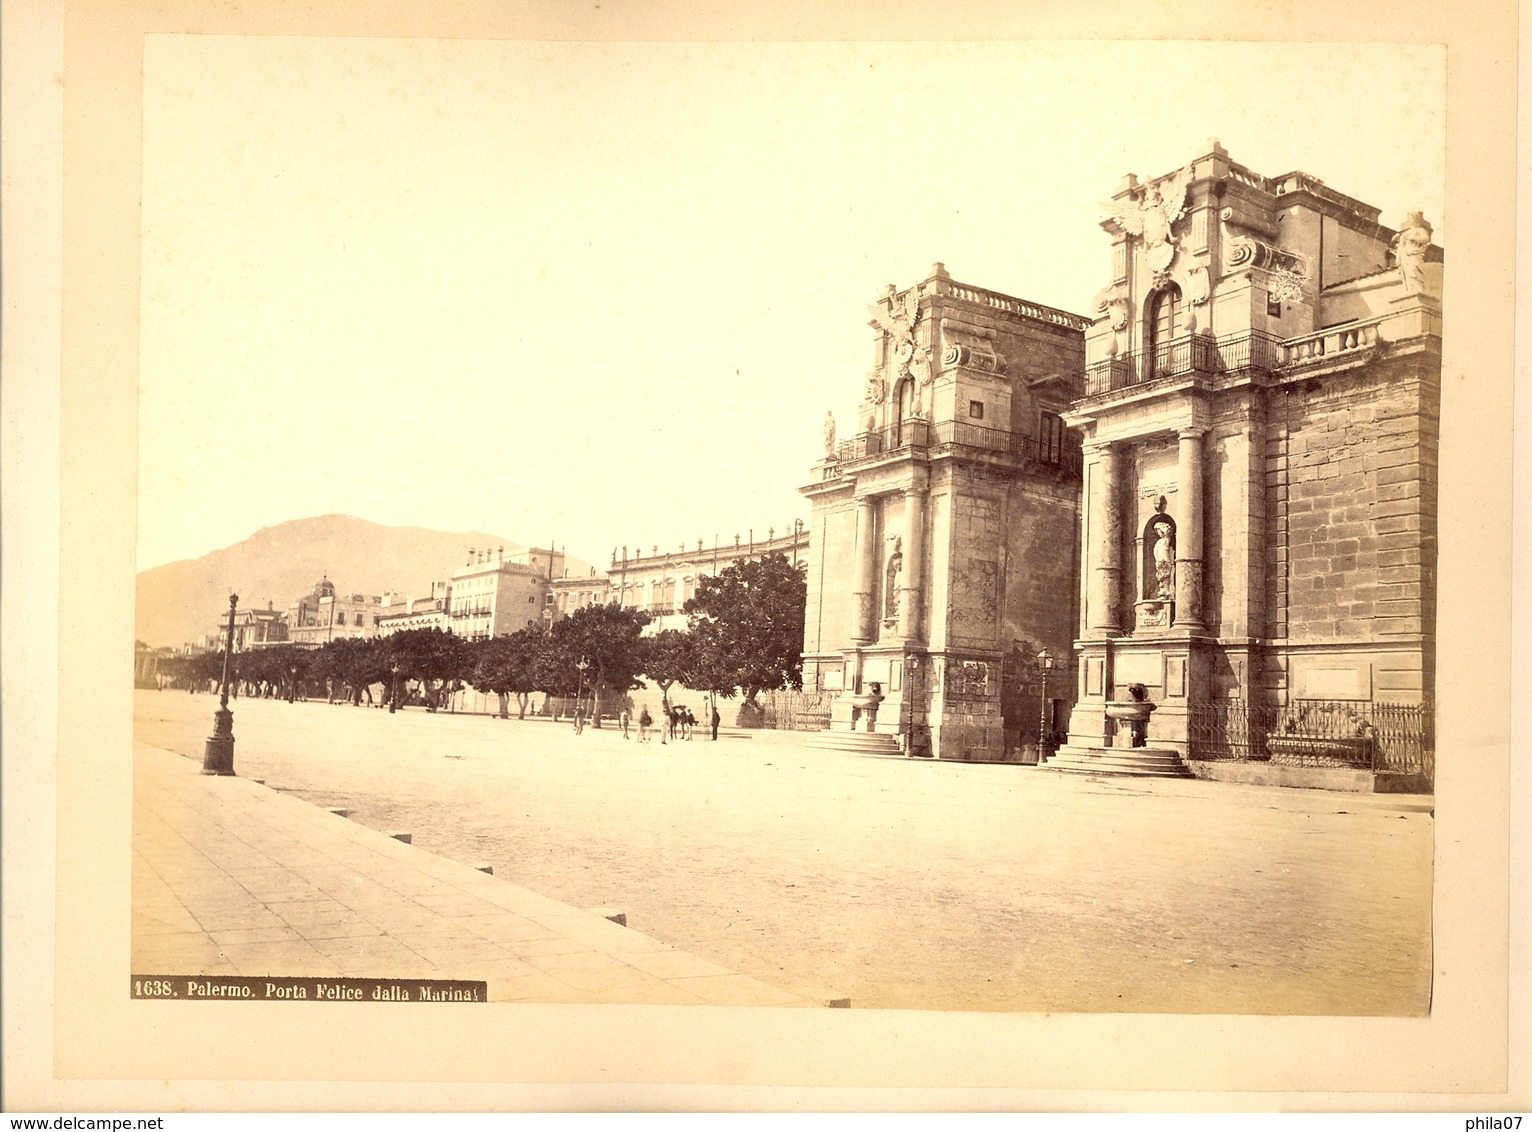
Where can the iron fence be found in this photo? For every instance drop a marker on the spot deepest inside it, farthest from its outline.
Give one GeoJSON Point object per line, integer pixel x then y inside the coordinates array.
{"type": "Point", "coordinates": [1187, 356]}
{"type": "Point", "coordinates": [795, 711]}
{"type": "Point", "coordinates": [1383, 738]}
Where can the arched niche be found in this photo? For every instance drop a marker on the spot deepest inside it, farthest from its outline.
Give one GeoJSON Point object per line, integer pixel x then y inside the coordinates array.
{"type": "Point", "coordinates": [893, 568]}
{"type": "Point", "coordinates": [1155, 608]}
{"type": "Point", "coordinates": [1157, 573]}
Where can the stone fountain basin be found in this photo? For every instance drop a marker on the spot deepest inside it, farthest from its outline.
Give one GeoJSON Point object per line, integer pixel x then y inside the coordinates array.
{"type": "Point", "coordinates": [1129, 711]}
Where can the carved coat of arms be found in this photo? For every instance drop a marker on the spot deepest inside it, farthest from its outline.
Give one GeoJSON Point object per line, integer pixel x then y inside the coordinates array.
{"type": "Point", "coordinates": [908, 359]}
{"type": "Point", "coordinates": [1151, 217]}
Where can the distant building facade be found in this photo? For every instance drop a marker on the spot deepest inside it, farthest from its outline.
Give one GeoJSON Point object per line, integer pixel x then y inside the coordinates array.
{"type": "Point", "coordinates": [253, 629]}
{"type": "Point", "coordinates": [494, 594]}
{"type": "Point", "coordinates": [662, 582]}
{"type": "Point", "coordinates": [398, 612]}
{"type": "Point", "coordinates": [322, 615]}
{"type": "Point", "coordinates": [572, 593]}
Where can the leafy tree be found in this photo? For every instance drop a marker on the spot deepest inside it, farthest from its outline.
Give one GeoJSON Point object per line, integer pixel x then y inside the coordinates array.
{"type": "Point", "coordinates": [748, 624]}
{"type": "Point", "coordinates": [351, 665]}
{"type": "Point", "coordinates": [281, 668]}
{"type": "Point", "coordinates": [177, 670]}
{"type": "Point", "coordinates": [669, 656]}
{"type": "Point", "coordinates": [553, 668]}
{"type": "Point", "coordinates": [609, 639]}
{"type": "Point", "coordinates": [507, 666]}
{"type": "Point", "coordinates": [435, 657]}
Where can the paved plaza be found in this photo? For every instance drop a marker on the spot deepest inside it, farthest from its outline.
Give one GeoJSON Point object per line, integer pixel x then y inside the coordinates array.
{"type": "Point", "coordinates": [817, 875]}
{"type": "Point", "coordinates": [231, 878]}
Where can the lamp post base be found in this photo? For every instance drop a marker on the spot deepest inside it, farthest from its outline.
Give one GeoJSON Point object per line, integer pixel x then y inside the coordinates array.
{"type": "Point", "coordinates": [218, 755]}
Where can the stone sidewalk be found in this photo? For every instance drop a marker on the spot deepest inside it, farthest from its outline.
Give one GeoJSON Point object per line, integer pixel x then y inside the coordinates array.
{"type": "Point", "coordinates": [233, 878]}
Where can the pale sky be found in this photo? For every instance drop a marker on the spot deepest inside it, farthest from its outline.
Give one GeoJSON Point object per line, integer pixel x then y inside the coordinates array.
{"type": "Point", "coordinates": [604, 293]}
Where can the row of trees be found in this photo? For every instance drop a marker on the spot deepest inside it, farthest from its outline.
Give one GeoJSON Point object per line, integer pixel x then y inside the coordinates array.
{"type": "Point", "coordinates": [744, 636]}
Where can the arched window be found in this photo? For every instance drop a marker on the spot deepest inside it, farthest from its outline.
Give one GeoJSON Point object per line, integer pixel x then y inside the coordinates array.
{"type": "Point", "coordinates": [1164, 322]}
{"type": "Point", "coordinates": [904, 403]}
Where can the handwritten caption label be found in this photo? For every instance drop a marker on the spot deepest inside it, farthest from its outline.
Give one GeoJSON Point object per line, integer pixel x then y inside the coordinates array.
{"type": "Point", "coordinates": [211, 988]}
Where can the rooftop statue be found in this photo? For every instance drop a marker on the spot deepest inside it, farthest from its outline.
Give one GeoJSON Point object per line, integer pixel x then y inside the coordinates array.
{"type": "Point", "coordinates": [1410, 247]}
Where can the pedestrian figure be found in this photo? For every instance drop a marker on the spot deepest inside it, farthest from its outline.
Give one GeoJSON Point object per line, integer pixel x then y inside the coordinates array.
{"type": "Point", "coordinates": [579, 719]}
{"type": "Point", "coordinates": [688, 721]}
{"type": "Point", "coordinates": [674, 719]}
{"type": "Point", "coordinates": [623, 719]}
{"type": "Point", "coordinates": [717, 719]}
{"type": "Point", "coordinates": [644, 722]}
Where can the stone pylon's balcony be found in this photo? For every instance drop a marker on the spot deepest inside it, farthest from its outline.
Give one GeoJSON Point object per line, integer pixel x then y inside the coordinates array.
{"type": "Point", "coordinates": [1202, 360]}
{"type": "Point", "coordinates": [918, 437]}
{"type": "Point", "coordinates": [1193, 358]}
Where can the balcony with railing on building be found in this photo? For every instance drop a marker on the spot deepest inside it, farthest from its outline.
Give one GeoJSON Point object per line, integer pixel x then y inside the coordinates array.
{"type": "Point", "coordinates": [1058, 449]}
{"type": "Point", "coordinates": [1204, 360]}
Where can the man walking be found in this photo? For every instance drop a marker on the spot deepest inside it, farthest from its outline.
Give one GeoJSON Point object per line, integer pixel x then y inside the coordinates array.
{"type": "Point", "coordinates": [716, 720]}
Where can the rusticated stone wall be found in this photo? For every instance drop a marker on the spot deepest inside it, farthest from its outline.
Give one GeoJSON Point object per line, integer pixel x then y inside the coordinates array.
{"type": "Point", "coordinates": [1351, 496]}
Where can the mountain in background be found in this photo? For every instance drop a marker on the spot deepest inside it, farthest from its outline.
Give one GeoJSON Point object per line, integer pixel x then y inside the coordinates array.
{"type": "Point", "coordinates": [181, 601]}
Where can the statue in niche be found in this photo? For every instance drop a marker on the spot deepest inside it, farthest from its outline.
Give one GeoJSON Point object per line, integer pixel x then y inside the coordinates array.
{"type": "Point", "coordinates": [891, 577]}
{"type": "Point", "coordinates": [1410, 247]}
{"type": "Point", "coordinates": [829, 435]}
{"type": "Point", "coordinates": [1163, 551]}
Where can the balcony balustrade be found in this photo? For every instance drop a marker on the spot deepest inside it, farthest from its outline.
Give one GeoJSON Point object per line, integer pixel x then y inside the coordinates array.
{"type": "Point", "coordinates": [1187, 357]}
{"type": "Point", "coordinates": [961, 436]}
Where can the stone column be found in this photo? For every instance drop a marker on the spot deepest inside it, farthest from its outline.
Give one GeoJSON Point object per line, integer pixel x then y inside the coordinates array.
{"type": "Point", "coordinates": [1105, 542]}
{"type": "Point", "coordinates": [1189, 529]}
{"type": "Point", "coordinates": [863, 615]}
{"type": "Point", "coordinates": [914, 563]}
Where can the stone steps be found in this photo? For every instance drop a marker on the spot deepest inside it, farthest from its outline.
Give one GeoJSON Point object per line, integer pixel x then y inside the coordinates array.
{"type": "Point", "coordinates": [857, 742]}
{"type": "Point", "coordinates": [1139, 762]}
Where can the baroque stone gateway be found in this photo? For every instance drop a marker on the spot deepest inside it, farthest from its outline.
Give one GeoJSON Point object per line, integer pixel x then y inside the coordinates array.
{"type": "Point", "coordinates": [1218, 491]}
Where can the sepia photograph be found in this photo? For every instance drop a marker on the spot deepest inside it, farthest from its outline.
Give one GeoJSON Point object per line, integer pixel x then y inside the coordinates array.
{"type": "Point", "coordinates": [620, 549]}
{"type": "Point", "coordinates": [1014, 592]}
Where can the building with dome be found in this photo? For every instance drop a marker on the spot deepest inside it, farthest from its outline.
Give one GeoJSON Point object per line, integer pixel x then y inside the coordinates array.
{"type": "Point", "coordinates": [323, 615]}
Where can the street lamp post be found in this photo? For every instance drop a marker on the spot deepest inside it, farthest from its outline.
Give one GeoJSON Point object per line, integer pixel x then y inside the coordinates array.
{"type": "Point", "coordinates": [580, 687]}
{"type": "Point", "coordinates": [1045, 666]}
{"type": "Point", "coordinates": [218, 755]}
{"type": "Point", "coordinates": [393, 688]}
{"type": "Point", "coordinates": [292, 683]}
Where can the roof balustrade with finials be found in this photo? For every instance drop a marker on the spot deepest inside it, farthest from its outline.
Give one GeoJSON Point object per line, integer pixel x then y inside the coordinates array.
{"type": "Point", "coordinates": [1331, 342]}
{"type": "Point", "coordinates": [1012, 305]}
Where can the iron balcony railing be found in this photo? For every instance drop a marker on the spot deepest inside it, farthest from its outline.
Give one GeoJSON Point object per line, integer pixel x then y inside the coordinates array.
{"type": "Point", "coordinates": [1061, 452]}
{"type": "Point", "coordinates": [1190, 356]}
{"type": "Point", "coordinates": [1383, 738]}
